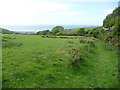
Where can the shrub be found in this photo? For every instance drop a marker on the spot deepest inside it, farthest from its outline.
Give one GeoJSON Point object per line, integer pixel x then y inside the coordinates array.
{"type": "Point", "coordinates": [43, 36]}
{"type": "Point", "coordinates": [91, 43]}
{"type": "Point", "coordinates": [4, 40]}
{"type": "Point", "coordinates": [82, 41]}
{"type": "Point", "coordinates": [57, 29]}
{"type": "Point", "coordinates": [81, 32]}
{"type": "Point", "coordinates": [75, 56]}
{"type": "Point", "coordinates": [70, 42]}
{"type": "Point", "coordinates": [109, 47]}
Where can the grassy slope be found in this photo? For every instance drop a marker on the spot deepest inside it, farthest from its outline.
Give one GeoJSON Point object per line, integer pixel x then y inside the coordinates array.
{"type": "Point", "coordinates": [86, 28]}
{"type": "Point", "coordinates": [43, 62]}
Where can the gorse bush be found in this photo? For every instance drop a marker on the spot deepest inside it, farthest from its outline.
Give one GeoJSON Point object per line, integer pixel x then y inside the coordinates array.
{"type": "Point", "coordinates": [80, 53]}
{"type": "Point", "coordinates": [75, 56]}
{"type": "Point", "coordinates": [89, 42]}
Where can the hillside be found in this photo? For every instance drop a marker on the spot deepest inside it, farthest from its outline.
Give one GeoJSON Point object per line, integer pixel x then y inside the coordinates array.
{"type": "Point", "coordinates": [112, 20]}
{"type": "Point", "coordinates": [111, 25]}
{"type": "Point", "coordinates": [68, 32]}
{"type": "Point", "coordinates": [5, 31]}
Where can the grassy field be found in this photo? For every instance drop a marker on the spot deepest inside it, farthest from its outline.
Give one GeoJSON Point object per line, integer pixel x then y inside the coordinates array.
{"type": "Point", "coordinates": [30, 61]}
{"type": "Point", "coordinates": [86, 28]}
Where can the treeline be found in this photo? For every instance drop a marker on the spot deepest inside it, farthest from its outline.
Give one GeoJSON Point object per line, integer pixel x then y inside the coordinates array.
{"type": "Point", "coordinates": [109, 32]}
{"type": "Point", "coordinates": [60, 31]}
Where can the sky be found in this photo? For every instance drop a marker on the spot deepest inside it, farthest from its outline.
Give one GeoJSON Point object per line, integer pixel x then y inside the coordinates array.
{"type": "Point", "coordinates": [66, 12]}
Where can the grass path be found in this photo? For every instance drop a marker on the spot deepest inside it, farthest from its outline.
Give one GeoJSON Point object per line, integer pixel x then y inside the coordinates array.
{"type": "Point", "coordinates": [106, 67]}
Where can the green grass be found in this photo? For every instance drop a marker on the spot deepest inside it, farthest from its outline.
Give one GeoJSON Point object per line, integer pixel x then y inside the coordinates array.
{"type": "Point", "coordinates": [86, 28]}
{"type": "Point", "coordinates": [44, 63]}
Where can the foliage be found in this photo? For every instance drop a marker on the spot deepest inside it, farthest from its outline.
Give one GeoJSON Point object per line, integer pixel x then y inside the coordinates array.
{"type": "Point", "coordinates": [112, 22]}
{"type": "Point", "coordinates": [44, 32]}
{"type": "Point", "coordinates": [57, 29]}
{"type": "Point", "coordinates": [81, 32]}
{"type": "Point", "coordinates": [75, 56]}
{"type": "Point", "coordinates": [111, 19]}
{"type": "Point", "coordinates": [95, 32]}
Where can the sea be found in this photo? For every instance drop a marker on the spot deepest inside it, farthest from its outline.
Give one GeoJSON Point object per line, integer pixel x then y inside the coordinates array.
{"type": "Point", "coordinates": [36, 28]}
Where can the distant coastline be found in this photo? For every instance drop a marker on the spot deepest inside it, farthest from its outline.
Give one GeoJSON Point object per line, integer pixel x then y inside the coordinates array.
{"type": "Point", "coordinates": [35, 28]}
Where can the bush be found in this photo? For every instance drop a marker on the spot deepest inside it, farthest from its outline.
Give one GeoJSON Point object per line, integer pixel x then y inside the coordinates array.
{"type": "Point", "coordinates": [44, 32]}
{"type": "Point", "coordinates": [109, 47]}
{"type": "Point", "coordinates": [82, 41]}
{"type": "Point", "coordinates": [4, 40]}
{"type": "Point", "coordinates": [81, 32]}
{"type": "Point", "coordinates": [91, 43]}
{"type": "Point", "coordinates": [70, 42]}
{"type": "Point", "coordinates": [75, 56]}
{"type": "Point", "coordinates": [57, 29]}
{"type": "Point", "coordinates": [43, 36]}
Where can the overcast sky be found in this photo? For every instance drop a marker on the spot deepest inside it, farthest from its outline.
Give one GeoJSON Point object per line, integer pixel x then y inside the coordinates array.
{"type": "Point", "coordinates": [31, 12]}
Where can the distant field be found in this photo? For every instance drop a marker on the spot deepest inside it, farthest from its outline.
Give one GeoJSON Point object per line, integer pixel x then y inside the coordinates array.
{"type": "Point", "coordinates": [86, 28]}
{"type": "Point", "coordinates": [30, 61]}
{"type": "Point", "coordinates": [75, 30]}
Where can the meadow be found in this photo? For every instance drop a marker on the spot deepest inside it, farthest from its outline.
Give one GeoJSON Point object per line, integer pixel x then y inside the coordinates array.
{"type": "Point", "coordinates": [31, 61]}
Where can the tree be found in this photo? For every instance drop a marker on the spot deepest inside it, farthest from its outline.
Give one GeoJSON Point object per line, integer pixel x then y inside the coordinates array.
{"type": "Point", "coordinates": [95, 31]}
{"type": "Point", "coordinates": [81, 32]}
{"type": "Point", "coordinates": [44, 32]}
{"type": "Point", "coordinates": [112, 21]}
{"type": "Point", "coordinates": [57, 29]}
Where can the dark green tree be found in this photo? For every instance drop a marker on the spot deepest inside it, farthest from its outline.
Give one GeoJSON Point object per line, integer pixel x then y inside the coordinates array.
{"type": "Point", "coordinates": [57, 29]}
{"type": "Point", "coordinates": [81, 32]}
{"type": "Point", "coordinates": [44, 32]}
